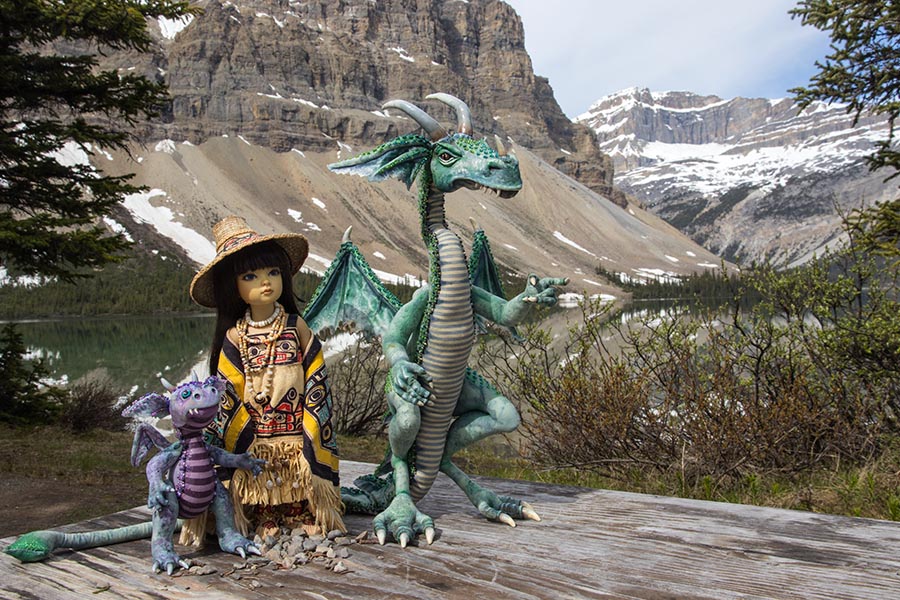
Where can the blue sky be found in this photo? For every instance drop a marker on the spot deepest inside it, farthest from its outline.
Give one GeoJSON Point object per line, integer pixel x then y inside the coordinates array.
{"type": "Point", "coordinates": [591, 48]}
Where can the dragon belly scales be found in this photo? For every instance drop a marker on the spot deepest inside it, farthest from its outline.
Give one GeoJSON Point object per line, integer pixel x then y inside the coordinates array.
{"type": "Point", "coordinates": [194, 476]}
{"type": "Point", "coordinates": [450, 337]}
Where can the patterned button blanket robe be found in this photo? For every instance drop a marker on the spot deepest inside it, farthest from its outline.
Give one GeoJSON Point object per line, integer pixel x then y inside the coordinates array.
{"type": "Point", "coordinates": [292, 430]}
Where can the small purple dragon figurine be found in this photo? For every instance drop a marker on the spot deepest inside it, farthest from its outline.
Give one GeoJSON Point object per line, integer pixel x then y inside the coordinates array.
{"type": "Point", "coordinates": [182, 479]}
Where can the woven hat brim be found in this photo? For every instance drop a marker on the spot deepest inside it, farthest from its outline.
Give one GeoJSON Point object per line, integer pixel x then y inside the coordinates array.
{"type": "Point", "coordinates": [294, 244]}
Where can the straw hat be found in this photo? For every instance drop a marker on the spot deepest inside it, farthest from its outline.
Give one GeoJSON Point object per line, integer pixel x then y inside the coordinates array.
{"type": "Point", "coordinates": [233, 235]}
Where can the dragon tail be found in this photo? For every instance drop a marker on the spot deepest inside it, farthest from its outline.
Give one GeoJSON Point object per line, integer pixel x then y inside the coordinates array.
{"type": "Point", "coordinates": [371, 495]}
{"type": "Point", "coordinates": [38, 545]}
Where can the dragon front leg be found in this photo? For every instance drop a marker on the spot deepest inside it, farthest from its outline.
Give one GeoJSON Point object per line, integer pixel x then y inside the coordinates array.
{"type": "Point", "coordinates": [401, 518]}
{"type": "Point", "coordinates": [482, 411]}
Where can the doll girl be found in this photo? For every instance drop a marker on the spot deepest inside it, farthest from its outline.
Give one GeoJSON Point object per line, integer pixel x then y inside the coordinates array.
{"type": "Point", "coordinates": [277, 403]}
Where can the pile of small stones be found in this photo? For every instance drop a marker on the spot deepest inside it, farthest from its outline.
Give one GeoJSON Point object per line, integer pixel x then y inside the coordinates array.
{"type": "Point", "coordinates": [292, 549]}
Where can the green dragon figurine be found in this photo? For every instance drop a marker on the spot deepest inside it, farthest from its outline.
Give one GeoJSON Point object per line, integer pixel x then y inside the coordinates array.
{"type": "Point", "coordinates": [438, 405]}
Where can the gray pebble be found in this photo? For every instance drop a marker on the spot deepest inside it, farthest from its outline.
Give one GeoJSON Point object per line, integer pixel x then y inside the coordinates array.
{"type": "Point", "coordinates": [322, 549]}
{"type": "Point", "coordinates": [334, 533]}
{"type": "Point", "coordinates": [273, 555]}
{"type": "Point", "coordinates": [341, 552]}
{"type": "Point", "coordinates": [309, 545]}
{"type": "Point", "coordinates": [295, 547]}
{"type": "Point", "coordinates": [340, 567]}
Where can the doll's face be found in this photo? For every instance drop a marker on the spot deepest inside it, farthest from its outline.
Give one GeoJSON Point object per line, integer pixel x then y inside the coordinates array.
{"type": "Point", "coordinates": [260, 287]}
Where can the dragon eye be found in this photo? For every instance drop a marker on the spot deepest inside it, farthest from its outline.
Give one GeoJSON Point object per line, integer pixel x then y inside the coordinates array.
{"type": "Point", "coordinates": [186, 394]}
{"type": "Point", "coordinates": [446, 158]}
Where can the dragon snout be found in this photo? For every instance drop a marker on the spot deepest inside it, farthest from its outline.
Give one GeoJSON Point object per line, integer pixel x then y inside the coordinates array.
{"type": "Point", "coordinates": [202, 414]}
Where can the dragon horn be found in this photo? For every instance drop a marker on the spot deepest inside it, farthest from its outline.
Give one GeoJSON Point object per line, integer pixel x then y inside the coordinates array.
{"type": "Point", "coordinates": [462, 111]}
{"type": "Point", "coordinates": [166, 384]}
{"type": "Point", "coordinates": [474, 223]}
{"type": "Point", "coordinates": [427, 122]}
{"type": "Point", "coordinates": [501, 149]}
{"type": "Point", "coordinates": [194, 376]}
{"type": "Point", "coordinates": [346, 237]}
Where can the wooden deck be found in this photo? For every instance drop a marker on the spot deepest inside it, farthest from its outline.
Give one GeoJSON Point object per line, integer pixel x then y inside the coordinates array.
{"type": "Point", "coordinates": [591, 544]}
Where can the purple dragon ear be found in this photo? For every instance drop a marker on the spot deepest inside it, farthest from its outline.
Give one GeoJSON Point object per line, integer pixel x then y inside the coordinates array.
{"type": "Point", "coordinates": [149, 405]}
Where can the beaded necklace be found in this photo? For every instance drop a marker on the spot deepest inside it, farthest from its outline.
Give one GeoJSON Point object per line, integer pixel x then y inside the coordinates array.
{"type": "Point", "coordinates": [277, 321]}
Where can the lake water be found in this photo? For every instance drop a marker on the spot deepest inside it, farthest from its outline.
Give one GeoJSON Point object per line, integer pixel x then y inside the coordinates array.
{"type": "Point", "coordinates": [135, 351]}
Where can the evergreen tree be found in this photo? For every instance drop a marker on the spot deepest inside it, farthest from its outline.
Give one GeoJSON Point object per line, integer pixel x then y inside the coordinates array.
{"type": "Point", "coordinates": [862, 70]}
{"type": "Point", "coordinates": [23, 399]}
{"type": "Point", "coordinates": [54, 105]}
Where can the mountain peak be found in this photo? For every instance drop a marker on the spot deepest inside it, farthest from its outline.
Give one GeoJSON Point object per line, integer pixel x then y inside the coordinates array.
{"type": "Point", "coordinates": [728, 171]}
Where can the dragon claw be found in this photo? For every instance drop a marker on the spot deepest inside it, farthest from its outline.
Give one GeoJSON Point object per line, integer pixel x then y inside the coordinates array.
{"type": "Point", "coordinates": [404, 521]}
{"type": "Point", "coordinates": [529, 513]}
{"type": "Point", "coordinates": [505, 518]}
{"type": "Point", "coordinates": [168, 560]}
{"type": "Point", "coordinates": [241, 553]}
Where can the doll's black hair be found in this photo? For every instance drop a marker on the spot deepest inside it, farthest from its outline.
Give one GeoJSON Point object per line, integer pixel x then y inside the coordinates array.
{"type": "Point", "coordinates": [229, 305]}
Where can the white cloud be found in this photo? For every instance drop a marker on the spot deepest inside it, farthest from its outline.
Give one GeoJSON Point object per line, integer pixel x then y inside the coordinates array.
{"type": "Point", "coordinates": [589, 49]}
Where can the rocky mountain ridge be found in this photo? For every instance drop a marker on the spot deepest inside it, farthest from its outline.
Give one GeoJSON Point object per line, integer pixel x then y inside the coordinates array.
{"type": "Point", "coordinates": [312, 75]}
{"type": "Point", "coordinates": [750, 179]}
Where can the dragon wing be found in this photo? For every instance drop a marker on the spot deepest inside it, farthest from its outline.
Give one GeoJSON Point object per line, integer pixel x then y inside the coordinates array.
{"type": "Point", "coordinates": [351, 295]}
{"type": "Point", "coordinates": [483, 273]}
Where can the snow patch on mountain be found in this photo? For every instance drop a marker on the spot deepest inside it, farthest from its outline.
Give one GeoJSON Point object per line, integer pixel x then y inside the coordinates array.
{"type": "Point", "coordinates": [751, 179]}
{"type": "Point", "coordinates": [197, 247]}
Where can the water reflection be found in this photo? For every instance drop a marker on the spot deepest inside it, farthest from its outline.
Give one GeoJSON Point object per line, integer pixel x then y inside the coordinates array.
{"type": "Point", "coordinates": [135, 351]}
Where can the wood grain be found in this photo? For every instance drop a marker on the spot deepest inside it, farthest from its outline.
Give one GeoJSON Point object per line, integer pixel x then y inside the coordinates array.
{"type": "Point", "coordinates": [590, 544]}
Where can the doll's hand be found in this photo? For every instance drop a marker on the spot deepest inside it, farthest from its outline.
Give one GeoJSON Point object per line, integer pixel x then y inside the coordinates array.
{"type": "Point", "coordinates": [411, 382]}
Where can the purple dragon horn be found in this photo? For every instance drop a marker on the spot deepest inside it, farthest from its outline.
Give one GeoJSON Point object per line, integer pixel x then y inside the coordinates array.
{"type": "Point", "coordinates": [165, 383]}
{"type": "Point", "coordinates": [462, 111]}
{"type": "Point", "coordinates": [428, 123]}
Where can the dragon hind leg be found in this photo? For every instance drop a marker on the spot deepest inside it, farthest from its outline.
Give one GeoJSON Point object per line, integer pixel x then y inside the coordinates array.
{"type": "Point", "coordinates": [162, 547]}
{"type": "Point", "coordinates": [401, 517]}
{"type": "Point", "coordinates": [230, 539]}
{"type": "Point", "coordinates": [482, 411]}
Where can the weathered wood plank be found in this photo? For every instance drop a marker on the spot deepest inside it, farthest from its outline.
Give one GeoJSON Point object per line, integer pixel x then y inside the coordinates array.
{"type": "Point", "coordinates": [591, 544]}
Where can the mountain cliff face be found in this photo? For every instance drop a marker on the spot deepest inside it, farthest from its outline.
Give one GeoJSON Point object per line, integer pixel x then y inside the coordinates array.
{"type": "Point", "coordinates": [750, 179]}
{"type": "Point", "coordinates": [310, 75]}
{"type": "Point", "coordinates": [267, 93]}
